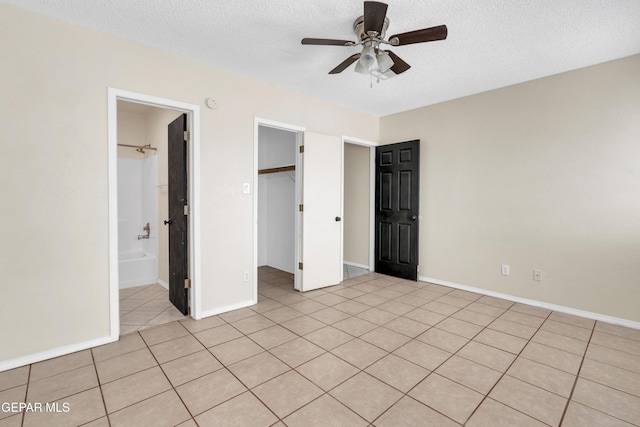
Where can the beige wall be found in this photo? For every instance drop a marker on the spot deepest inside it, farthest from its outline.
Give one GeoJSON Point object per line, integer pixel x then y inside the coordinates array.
{"type": "Point", "coordinates": [541, 175]}
{"type": "Point", "coordinates": [131, 131]}
{"type": "Point", "coordinates": [356, 204]}
{"type": "Point", "coordinates": [54, 253]}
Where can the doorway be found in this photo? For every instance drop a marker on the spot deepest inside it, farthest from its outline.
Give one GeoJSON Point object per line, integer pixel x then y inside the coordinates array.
{"type": "Point", "coordinates": [277, 194]}
{"type": "Point", "coordinates": [358, 203]}
{"type": "Point", "coordinates": [299, 177]}
{"type": "Point", "coordinates": [149, 130]}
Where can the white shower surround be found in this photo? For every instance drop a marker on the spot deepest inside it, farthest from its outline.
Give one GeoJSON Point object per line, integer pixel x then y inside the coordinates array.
{"type": "Point", "coordinates": [137, 206]}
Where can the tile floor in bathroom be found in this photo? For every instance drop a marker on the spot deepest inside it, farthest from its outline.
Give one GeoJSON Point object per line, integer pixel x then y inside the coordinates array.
{"type": "Point", "coordinates": [142, 307]}
{"type": "Point", "coordinates": [372, 351]}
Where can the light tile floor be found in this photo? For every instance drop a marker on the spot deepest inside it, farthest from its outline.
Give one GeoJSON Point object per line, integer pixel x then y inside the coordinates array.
{"type": "Point", "coordinates": [142, 307]}
{"type": "Point", "coordinates": [372, 351]}
{"type": "Point", "coordinates": [350, 272]}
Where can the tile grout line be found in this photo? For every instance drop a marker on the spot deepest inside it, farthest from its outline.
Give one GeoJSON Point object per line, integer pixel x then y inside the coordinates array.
{"type": "Point", "coordinates": [166, 377]}
{"type": "Point", "coordinates": [575, 382]}
{"type": "Point", "coordinates": [430, 371]}
{"type": "Point", "coordinates": [104, 403]}
{"type": "Point", "coordinates": [26, 394]}
{"type": "Point", "coordinates": [505, 373]}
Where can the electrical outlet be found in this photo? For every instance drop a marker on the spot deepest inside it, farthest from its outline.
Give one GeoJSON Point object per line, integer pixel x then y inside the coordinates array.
{"type": "Point", "coordinates": [246, 276]}
{"type": "Point", "coordinates": [537, 275]}
{"type": "Point", "coordinates": [505, 269]}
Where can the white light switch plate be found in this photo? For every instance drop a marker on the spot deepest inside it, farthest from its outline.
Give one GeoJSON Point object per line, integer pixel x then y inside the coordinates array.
{"type": "Point", "coordinates": [246, 188]}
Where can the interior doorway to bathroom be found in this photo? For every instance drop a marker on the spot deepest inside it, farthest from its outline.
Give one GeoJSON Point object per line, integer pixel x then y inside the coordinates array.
{"type": "Point", "coordinates": [143, 238]}
{"type": "Point", "coordinates": [142, 182]}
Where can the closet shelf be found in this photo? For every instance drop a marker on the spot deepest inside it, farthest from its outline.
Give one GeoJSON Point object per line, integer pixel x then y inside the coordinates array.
{"type": "Point", "coordinates": [276, 170]}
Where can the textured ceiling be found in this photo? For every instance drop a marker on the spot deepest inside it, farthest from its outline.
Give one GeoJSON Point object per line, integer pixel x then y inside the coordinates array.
{"type": "Point", "coordinates": [491, 43]}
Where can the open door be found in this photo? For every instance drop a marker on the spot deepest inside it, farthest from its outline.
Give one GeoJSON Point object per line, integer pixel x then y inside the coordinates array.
{"type": "Point", "coordinates": [397, 209]}
{"type": "Point", "coordinates": [178, 221]}
{"type": "Point", "coordinates": [321, 216]}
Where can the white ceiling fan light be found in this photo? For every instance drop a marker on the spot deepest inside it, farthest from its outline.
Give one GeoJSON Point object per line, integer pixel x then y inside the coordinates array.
{"type": "Point", "coordinates": [384, 61]}
{"type": "Point", "coordinates": [368, 61]}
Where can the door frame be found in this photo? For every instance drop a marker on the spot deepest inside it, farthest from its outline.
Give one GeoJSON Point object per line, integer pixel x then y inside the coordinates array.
{"type": "Point", "coordinates": [372, 194]}
{"type": "Point", "coordinates": [299, 131]}
{"type": "Point", "coordinates": [193, 111]}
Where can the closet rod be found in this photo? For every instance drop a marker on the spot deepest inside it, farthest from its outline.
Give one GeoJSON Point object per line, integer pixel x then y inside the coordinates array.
{"type": "Point", "coordinates": [139, 147]}
{"type": "Point", "coordinates": [276, 170]}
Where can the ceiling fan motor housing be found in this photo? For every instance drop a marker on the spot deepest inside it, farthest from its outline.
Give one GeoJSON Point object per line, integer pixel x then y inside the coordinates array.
{"type": "Point", "coordinates": [358, 28]}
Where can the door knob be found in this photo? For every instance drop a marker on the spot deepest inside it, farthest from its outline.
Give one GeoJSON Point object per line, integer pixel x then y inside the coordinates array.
{"type": "Point", "coordinates": [414, 217]}
{"type": "Point", "coordinates": [338, 218]}
{"type": "Point", "coordinates": [168, 221]}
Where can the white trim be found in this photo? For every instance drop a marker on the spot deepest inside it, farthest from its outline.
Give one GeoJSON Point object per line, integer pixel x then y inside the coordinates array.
{"type": "Point", "coordinates": [541, 304]}
{"type": "Point", "coordinates": [278, 125]}
{"type": "Point", "coordinates": [372, 209]}
{"type": "Point", "coordinates": [359, 141]}
{"type": "Point", "coordinates": [138, 282]}
{"type": "Point", "coordinates": [163, 284]}
{"type": "Point", "coordinates": [342, 209]}
{"type": "Point", "coordinates": [297, 277]}
{"type": "Point", "coordinates": [299, 131]}
{"type": "Point", "coordinates": [220, 310]}
{"type": "Point", "coordinates": [354, 264]}
{"type": "Point", "coordinates": [49, 354]}
{"type": "Point", "coordinates": [113, 95]}
{"type": "Point", "coordinates": [372, 194]}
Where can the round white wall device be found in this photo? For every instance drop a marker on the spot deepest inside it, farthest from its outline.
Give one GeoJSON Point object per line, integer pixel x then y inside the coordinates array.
{"type": "Point", "coordinates": [211, 103]}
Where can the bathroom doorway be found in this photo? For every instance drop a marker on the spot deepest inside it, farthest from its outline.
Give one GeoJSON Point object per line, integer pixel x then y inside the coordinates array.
{"type": "Point", "coordinates": [141, 261]}
{"type": "Point", "coordinates": [143, 252]}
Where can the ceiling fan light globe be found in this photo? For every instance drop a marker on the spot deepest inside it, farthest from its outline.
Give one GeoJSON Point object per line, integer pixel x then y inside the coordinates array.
{"type": "Point", "coordinates": [384, 61]}
{"type": "Point", "coordinates": [368, 61]}
{"type": "Point", "coordinates": [361, 68]}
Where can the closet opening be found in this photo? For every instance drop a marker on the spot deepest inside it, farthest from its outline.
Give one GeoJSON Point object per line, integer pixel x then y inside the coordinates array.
{"type": "Point", "coordinates": [278, 214]}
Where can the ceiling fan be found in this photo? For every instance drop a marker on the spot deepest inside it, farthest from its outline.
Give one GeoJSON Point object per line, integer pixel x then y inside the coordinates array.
{"type": "Point", "coordinates": [370, 30]}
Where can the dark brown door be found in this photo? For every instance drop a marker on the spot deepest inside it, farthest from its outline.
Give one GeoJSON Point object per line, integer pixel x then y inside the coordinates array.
{"type": "Point", "coordinates": [177, 222]}
{"type": "Point", "coordinates": [397, 209]}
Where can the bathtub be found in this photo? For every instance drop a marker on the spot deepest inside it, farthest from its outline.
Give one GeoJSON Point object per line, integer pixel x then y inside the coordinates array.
{"type": "Point", "coordinates": [136, 269]}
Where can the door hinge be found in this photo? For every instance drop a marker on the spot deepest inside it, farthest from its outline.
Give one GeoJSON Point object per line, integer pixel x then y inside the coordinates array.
{"type": "Point", "coordinates": [186, 209]}
{"type": "Point", "coordinates": [300, 208]}
{"type": "Point", "coordinates": [187, 283]}
{"type": "Point", "coordinates": [302, 148]}
{"type": "Point", "coordinates": [299, 266]}
{"type": "Point", "coordinates": [186, 135]}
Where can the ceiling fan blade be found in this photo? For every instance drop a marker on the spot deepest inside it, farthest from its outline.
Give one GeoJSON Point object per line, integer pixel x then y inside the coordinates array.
{"type": "Point", "coordinates": [328, 42]}
{"type": "Point", "coordinates": [374, 14]}
{"type": "Point", "coordinates": [344, 64]}
{"type": "Point", "coordinates": [399, 66]}
{"type": "Point", "coordinates": [421, 36]}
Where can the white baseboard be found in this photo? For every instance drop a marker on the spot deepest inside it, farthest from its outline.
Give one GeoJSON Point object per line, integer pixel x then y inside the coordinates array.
{"type": "Point", "coordinates": [138, 282]}
{"type": "Point", "coordinates": [56, 352]}
{"type": "Point", "coordinates": [541, 304]}
{"type": "Point", "coordinates": [216, 311]}
{"type": "Point", "coordinates": [353, 264]}
{"type": "Point", "coordinates": [163, 284]}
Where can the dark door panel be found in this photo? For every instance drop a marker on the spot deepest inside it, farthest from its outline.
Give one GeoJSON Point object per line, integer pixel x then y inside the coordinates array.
{"type": "Point", "coordinates": [397, 209]}
{"type": "Point", "coordinates": [178, 224]}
